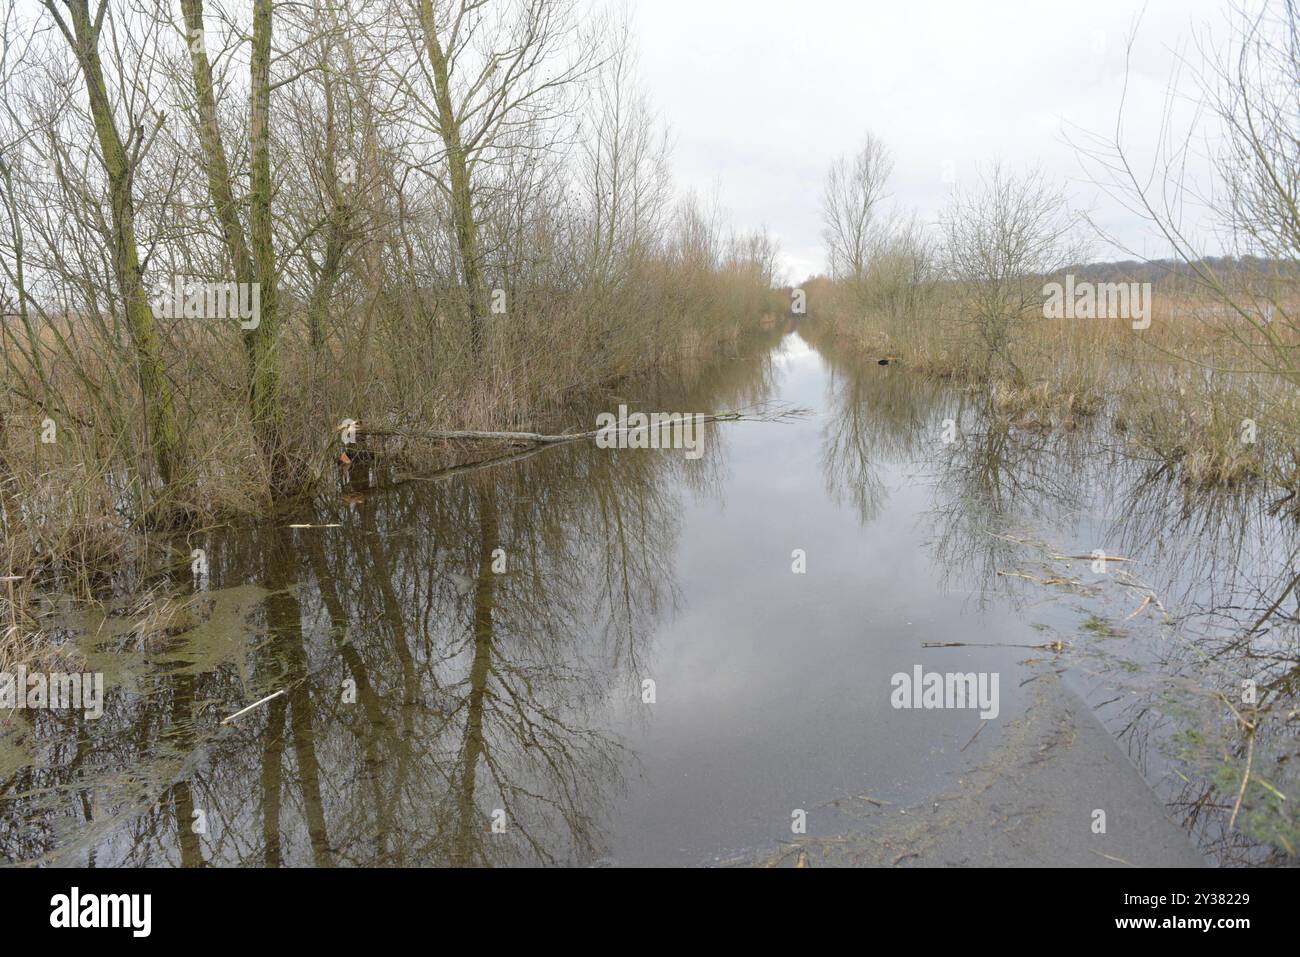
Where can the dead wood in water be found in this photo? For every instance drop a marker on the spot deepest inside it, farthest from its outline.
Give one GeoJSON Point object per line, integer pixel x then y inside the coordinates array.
{"type": "Point", "coordinates": [1049, 646]}
{"type": "Point", "coordinates": [260, 701]}
{"type": "Point", "coordinates": [454, 470]}
{"type": "Point", "coordinates": [536, 438]}
{"type": "Point", "coordinates": [755, 414]}
{"type": "Point", "coordinates": [522, 445]}
{"type": "Point", "coordinates": [975, 735]}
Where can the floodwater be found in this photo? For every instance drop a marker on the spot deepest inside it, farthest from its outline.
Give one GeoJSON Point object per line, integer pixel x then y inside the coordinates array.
{"type": "Point", "coordinates": [635, 657]}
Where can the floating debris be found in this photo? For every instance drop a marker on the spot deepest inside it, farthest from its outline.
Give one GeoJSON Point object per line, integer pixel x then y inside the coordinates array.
{"type": "Point", "coordinates": [252, 706]}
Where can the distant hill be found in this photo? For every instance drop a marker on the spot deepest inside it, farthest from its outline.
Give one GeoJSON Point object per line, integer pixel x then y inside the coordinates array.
{"type": "Point", "coordinates": [1156, 270]}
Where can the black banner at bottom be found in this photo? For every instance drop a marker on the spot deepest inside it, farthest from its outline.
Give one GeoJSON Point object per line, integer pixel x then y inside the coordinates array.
{"type": "Point", "coordinates": [337, 907]}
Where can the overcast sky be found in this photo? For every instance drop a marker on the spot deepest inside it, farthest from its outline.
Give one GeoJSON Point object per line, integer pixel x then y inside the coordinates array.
{"type": "Point", "coordinates": [761, 95]}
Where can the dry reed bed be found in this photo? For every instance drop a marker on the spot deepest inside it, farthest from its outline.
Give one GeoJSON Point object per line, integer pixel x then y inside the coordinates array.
{"type": "Point", "coordinates": [76, 512]}
{"type": "Point", "coordinates": [1187, 390]}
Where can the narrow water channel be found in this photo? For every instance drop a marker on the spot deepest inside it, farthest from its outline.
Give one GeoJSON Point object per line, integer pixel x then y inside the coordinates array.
{"type": "Point", "coordinates": [623, 657]}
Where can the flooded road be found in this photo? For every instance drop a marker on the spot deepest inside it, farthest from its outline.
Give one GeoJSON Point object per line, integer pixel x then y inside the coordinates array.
{"type": "Point", "coordinates": [633, 657]}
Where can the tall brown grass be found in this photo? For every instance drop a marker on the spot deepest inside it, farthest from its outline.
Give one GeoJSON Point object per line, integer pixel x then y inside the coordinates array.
{"type": "Point", "coordinates": [1186, 389]}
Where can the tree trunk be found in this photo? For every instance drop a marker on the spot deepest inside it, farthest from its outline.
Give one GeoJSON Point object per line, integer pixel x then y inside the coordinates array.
{"type": "Point", "coordinates": [262, 341]}
{"type": "Point", "coordinates": [462, 194]}
{"type": "Point", "coordinates": [255, 265]}
{"type": "Point", "coordinates": [336, 237]}
{"type": "Point", "coordinates": [160, 413]}
{"type": "Point", "coordinates": [214, 153]}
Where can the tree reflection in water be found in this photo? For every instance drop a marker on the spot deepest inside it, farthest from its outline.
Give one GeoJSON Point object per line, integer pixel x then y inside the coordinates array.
{"type": "Point", "coordinates": [428, 688]}
{"type": "Point", "coordinates": [1169, 684]}
{"type": "Point", "coordinates": [478, 690]}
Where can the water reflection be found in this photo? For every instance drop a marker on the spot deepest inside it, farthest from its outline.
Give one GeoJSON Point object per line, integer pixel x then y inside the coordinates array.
{"type": "Point", "coordinates": [449, 657]}
{"type": "Point", "coordinates": [1206, 601]}
{"type": "Point", "coordinates": [469, 652]}
{"type": "Point", "coordinates": [875, 414]}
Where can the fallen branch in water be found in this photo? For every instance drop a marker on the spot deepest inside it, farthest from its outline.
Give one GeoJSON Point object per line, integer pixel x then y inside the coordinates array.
{"type": "Point", "coordinates": [539, 438]}
{"type": "Point", "coordinates": [537, 442]}
{"type": "Point", "coordinates": [536, 438]}
{"type": "Point", "coordinates": [1057, 645]}
{"type": "Point", "coordinates": [1040, 581]}
{"type": "Point", "coordinates": [454, 470]}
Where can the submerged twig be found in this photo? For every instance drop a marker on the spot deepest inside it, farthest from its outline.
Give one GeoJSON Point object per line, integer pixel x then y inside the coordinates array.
{"type": "Point", "coordinates": [975, 735]}
{"type": "Point", "coordinates": [1112, 857]}
{"type": "Point", "coordinates": [1057, 645]}
{"type": "Point", "coordinates": [1245, 778]}
{"type": "Point", "coordinates": [252, 706]}
{"type": "Point", "coordinates": [1145, 601]}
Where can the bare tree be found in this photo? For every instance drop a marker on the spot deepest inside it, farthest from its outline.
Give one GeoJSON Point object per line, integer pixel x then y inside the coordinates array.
{"type": "Point", "coordinates": [215, 163]}
{"type": "Point", "coordinates": [268, 409]}
{"type": "Point", "coordinates": [902, 271]}
{"type": "Point", "coordinates": [623, 165]}
{"type": "Point", "coordinates": [376, 172]}
{"type": "Point", "coordinates": [121, 160]}
{"type": "Point", "coordinates": [1001, 239]}
{"type": "Point", "coordinates": [497, 73]}
{"type": "Point", "coordinates": [855, 186]}
{"type": "Point", "coordinates": [1247, 93]}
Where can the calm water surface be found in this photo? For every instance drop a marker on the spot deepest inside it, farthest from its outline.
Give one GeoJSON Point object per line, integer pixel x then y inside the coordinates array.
{"type": "Point", "coordinates": [429, 693]}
